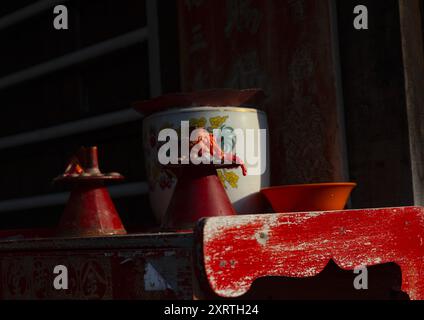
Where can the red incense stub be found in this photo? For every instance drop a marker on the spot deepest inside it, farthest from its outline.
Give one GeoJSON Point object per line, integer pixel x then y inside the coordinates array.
{"type": "Point", "coordinates": [90, 210]}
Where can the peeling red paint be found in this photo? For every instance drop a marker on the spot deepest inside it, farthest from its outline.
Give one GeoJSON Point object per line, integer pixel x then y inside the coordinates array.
{"type": "Point", "coordinates": [301, 245]}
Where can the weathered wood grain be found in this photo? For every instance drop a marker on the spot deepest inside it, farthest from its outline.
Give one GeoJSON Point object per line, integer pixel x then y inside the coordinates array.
{"type": "Point", "coordinates": [236, 251]}
{"type": "Point", "coordinates": [413, 59]}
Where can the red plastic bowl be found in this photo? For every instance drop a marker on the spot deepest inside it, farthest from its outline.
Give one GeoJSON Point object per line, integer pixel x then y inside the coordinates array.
{"type": "Point", "coordinates": [309, 197]}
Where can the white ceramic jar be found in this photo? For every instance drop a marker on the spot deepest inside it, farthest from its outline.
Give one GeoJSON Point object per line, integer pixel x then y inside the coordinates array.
{"type": "Point", "coordinates": [243, 191]}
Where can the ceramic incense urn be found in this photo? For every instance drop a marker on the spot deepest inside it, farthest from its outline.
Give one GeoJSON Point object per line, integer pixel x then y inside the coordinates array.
{"type": "Point", "coordinates": [228, 111]}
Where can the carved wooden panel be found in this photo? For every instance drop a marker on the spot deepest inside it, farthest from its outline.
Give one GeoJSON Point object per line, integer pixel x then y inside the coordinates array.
{"type": "Point", "coordinates": [132, 267]}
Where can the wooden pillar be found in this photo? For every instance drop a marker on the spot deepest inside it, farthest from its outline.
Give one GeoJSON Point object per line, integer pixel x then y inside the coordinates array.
{"type": "Point", "coordinates": [413, 59]}
{"type": "Point", "coordinates": [375, 105]}
{"type": "Point", "coordinates": [286, 48]}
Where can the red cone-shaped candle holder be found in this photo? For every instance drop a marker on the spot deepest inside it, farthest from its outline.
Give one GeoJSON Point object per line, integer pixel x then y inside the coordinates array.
{"type": "Point", "coordinates": [199, 193]}
{"type": "Point", "coordinates": [90, 210]}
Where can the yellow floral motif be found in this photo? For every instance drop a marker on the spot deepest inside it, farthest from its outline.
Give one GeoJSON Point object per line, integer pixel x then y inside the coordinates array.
{"type": "Point", "coordinates": [198, 123]}
{"type": "Point", "coordinates": [221, 177]}
{"type": "Point", "coordinates": [227, 177]}
{"type": "Point", "coordinates": [217, 122]}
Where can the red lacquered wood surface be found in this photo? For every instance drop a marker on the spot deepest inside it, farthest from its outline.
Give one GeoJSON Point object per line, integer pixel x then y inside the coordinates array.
{"type": "Point", "coordinates": [235, 251]}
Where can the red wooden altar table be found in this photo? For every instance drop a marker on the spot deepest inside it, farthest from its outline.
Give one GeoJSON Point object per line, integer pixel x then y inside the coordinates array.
{"type": "Point", "coordinates": [228, 256]}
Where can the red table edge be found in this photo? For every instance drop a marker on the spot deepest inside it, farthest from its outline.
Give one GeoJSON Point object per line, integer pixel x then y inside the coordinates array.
{"type": "Point", "coordinates": [393, 235]}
